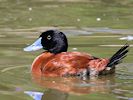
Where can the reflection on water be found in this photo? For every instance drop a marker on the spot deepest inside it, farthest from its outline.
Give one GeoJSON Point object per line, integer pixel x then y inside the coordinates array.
{"type": "Point", "coordinates": [34, 95]}
{"type": "Point", "coordinates": [54, 95]}
{"type": "Point", "coordinates": [61, 88]}
{"type": "Point", "coordinates": [76, 85]}
{"type": "Point", "coordinates": [47, 95]}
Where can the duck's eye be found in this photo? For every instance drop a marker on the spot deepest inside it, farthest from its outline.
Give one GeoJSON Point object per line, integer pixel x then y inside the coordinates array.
{"type": "Point", "coordinates": [48, 37]}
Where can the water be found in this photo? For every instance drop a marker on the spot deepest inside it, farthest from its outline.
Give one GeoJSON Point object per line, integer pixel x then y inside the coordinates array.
{"type": "Point", "coordinates": [18, 83]}
{"type": "Point", "coordinates": [20, 25]}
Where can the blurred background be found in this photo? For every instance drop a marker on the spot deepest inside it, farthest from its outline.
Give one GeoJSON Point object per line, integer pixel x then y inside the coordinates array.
{"type": "Point", "coordinates": [18, 14]}
{"type": "Point", "coordinates": [98, 27]}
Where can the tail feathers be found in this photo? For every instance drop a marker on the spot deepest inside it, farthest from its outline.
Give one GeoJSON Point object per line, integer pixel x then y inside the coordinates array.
{"type": "Point", "coordinates": [118, 56]}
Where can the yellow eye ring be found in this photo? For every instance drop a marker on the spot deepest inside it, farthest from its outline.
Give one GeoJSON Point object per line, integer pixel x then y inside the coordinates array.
{"type": "Point", "coordinates": [48, 37]}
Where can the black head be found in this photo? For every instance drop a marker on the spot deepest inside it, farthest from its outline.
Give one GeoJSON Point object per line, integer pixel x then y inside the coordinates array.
{"type": "Point", "coordinates": [54, 41]}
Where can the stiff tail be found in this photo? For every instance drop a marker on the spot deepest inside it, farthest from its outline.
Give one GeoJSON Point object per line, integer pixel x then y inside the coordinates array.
{"type": "Point", "coordinates": [118, 56]}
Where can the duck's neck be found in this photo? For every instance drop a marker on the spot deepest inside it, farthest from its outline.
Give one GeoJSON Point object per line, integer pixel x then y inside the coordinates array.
{"type": "Point", "coordinates": [58, 48]}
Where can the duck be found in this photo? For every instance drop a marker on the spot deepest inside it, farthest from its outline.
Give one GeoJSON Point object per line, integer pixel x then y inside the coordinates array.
{"type": "Point", "coordinates": [56, 61]}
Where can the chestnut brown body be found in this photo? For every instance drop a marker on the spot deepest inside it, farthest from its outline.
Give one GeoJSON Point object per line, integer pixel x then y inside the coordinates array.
{"type": "Point", "coordinates": [67, 63]}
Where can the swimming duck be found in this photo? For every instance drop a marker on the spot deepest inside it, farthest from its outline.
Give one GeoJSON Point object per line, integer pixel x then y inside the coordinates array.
{"type": "Point", "coordinates": [56, 61]}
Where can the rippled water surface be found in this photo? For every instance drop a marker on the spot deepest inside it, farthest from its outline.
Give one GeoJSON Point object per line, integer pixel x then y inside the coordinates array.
{"type": "Point", "coordinates": [18, 83]}
{"type": "Point", "coordinates": [90, 31]}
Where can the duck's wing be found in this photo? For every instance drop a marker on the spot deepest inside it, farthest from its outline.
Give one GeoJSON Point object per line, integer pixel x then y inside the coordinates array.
{"type": "Point", "coordinates": [68, 63]}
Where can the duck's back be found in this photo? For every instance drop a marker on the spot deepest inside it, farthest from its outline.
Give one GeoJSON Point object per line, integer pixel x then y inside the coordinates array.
{"type": "Point", "coordinates": [65, 63]}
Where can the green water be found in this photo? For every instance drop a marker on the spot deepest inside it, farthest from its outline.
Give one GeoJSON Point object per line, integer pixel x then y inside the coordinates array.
{"type": "Point", "coordinates": [35, 13]}
{"type": "Point", "coordinates": [21, 23]}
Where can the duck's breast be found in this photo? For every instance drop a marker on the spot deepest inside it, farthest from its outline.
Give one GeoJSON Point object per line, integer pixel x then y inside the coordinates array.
{"type": "Point", "coordinates": [40, 61]}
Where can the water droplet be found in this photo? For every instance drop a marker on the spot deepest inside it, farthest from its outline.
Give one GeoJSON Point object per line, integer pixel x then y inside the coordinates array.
{"type": "Point", "coordinates": [98, 19]}
{"type": "Point", "coordinates": [74, 49]}
{"type": "Point", "coordinates": [30, 9]}
{"type": "Point", "coordinates": [78, 20]}
{"type": "Point", "coordinates": [30, 19]}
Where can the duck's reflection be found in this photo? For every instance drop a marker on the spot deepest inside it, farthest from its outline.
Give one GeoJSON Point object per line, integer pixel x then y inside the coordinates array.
{"type": "Point", "coordinates": [60, 88]}
{"type": "Point", "coordinates": [52, 94]}
{"type": "Point", "coordinates": [47, 95]}
{"type": "Point", "coordinates": [34, 95]}
{"type": "Point", "coordinates": [76, 85]}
